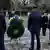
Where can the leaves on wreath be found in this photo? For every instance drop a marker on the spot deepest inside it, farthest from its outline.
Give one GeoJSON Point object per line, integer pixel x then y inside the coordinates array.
{"type": "Point", "coordinates": [14, 26]}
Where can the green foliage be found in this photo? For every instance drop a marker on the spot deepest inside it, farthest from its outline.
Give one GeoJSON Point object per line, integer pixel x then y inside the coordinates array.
{"type": "Point", "coordinates": [16, 27]}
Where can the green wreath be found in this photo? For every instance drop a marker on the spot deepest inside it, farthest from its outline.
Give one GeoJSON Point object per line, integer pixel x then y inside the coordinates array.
{"type": "Point", "coordinates": [16, 30]}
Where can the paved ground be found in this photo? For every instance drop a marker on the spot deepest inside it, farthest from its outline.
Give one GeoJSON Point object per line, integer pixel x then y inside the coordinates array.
{"type": "Point", "coordinates": [24, 41]}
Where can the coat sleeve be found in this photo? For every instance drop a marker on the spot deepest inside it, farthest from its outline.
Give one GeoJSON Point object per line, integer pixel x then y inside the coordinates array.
{"type": "Point", "coordinates": [29, 22]}
{"type": "Point", "coordinates": [4, 25]}
{"type": "Point", "coordinates": [47, 19]}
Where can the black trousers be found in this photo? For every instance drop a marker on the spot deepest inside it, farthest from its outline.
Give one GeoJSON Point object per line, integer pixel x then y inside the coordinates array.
{"type": "Point", "coordinates": [44, 30]}
{"type": "Point", "coordinates": [1, 42]}
{"type": "Point", "coordinates": [32, 41]}
{"type": "Point", "coordinates": [49, 37]}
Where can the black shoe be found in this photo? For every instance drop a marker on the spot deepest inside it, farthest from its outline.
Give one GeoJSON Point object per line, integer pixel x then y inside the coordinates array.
{"type": "Point", "coordinates": [48, 43]}
{"type": "Point", "coordinates": [38, 49]}
{"type": "Point", "coordinates": [30, 49]}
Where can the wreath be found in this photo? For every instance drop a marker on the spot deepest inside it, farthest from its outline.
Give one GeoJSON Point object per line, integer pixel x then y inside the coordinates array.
{"type": "Point", "coordinates": [16, 28]}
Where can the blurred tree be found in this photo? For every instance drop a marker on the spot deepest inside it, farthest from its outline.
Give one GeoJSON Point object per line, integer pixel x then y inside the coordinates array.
{"type": "Point", "coordinates": [36, 2]}
{"type": "Point", "coordinates": [5, 4]}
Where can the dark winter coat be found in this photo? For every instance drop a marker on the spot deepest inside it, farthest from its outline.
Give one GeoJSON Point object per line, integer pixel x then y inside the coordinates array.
{"type": "Point", "coordinates": [34, 22]}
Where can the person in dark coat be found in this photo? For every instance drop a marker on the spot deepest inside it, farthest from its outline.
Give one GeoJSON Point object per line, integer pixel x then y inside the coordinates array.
{"type": "Point", "coordinates": [34, 22]}
{"type": "Point", "coordinates": [44, 23]}
{"type": "Point", "coordinates": [49, 29]}
{"type": "Point", "coordinates": [2, 30]}
{"type": "Point", "coordinates": [4, 5]}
